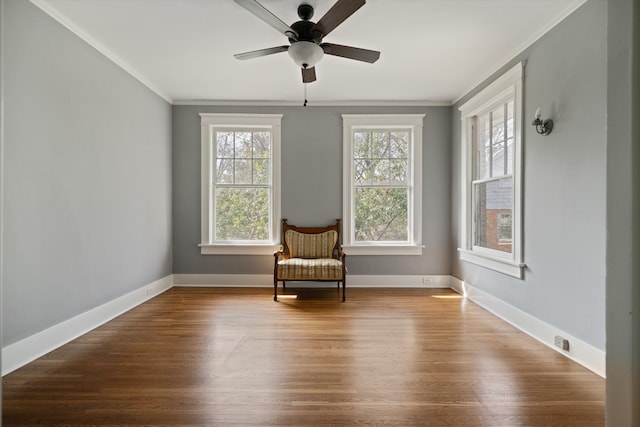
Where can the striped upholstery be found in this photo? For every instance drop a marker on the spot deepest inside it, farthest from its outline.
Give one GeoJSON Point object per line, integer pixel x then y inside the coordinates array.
{"type": "Point", "coordinates": [309, 269]}
{"type": "Point", "coordinates": [302, 245]}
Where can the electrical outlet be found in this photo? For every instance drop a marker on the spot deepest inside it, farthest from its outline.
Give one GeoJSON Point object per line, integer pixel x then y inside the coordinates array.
{"type": "Point", "coordinates": [562, 343]}
{"type": "Point", "coordinates": [427, 280]}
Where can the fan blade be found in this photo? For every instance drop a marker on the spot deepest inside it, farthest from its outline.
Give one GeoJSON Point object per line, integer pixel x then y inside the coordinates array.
{"type": "Point", "coordinates": [263, 13]}
{"type": "Point", "coordinates": [261, 52]}
{"type": "Point", "coordinates": [350, 52]}
{"type": "Point", "coordinates": [308, 75]}
{"type": "Point", "coordinates": [338, 13]}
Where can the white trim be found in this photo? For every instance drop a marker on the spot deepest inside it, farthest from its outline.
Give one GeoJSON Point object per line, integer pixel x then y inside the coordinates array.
{"type": "Point", "coordinates": [509, 85]}
{"type": "Point", "coordinates": [208, 122]}
{"type": "Point", "coordinates": [580, 352]}
{"type": "Point", "coordinates": [504, 266]}
{"type": "Point", "coordinates": [415, 122]}
{"type": "Point", "coordinates": [521, 48]}
{"type": "Point", "coordinates": [22, 352]}
{"type": "Point", "coordinates": [223, 280]}
{"type": "Point", "coordinates": [128, 68]}
{"type": "Point", "coordinates": [353, 281]}
{"type": "Point", "coordinates": [355, 250]}
{"type": "Point", "coordinates": [329, 103]}
{"type": "Point", "coordinates": [239, 249]}
{"type": "Point", "coordinates": [19, 354]}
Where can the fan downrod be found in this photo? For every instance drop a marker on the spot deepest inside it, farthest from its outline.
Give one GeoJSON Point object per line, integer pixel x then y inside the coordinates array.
{"type": "Point", "coordinates": [305, 11]}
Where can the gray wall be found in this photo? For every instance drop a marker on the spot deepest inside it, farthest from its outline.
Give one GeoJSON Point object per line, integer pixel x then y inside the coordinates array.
{"type": "Point", "coordinates": [87, 176]}
{"type": "Point", "coordinates": [311, 186]}
{"type": "Point", "coordinates": [623, 214]}
{"type": "Point", "coordinates": [1, 173]}
{"type": "Point", "coordinates": [564, 181]}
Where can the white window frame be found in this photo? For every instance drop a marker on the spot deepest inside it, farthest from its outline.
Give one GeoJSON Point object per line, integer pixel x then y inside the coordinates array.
{"type": "Point", "coordinates": [209, 122]}
{"type": "Point", "coordinates": [508, 86]}
{"type": "Point", "coordinates": [354, 122]}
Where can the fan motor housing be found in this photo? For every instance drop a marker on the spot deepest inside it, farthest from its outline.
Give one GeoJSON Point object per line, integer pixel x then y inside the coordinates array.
{"type": "Point", "coordinates": [303, 28]}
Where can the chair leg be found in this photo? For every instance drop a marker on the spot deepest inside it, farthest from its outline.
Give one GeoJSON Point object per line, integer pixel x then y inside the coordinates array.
{"type": "Point", "coordinates": [344, 285]}
{"type": "Point", "coordinates": [275, 290]}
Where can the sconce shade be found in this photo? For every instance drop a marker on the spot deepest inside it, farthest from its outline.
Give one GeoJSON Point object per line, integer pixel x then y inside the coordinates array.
{"type": "Point", "coordinates": [305, 54]}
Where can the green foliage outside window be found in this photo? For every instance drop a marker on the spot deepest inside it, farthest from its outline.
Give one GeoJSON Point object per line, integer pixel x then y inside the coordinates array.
{"type": "Point", "coordinates": [242, 185]}
{"type": "Point", "coordinates": [381, 179]}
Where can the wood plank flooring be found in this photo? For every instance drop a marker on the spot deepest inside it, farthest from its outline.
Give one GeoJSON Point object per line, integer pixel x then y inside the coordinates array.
{"type": "Point", "coordinates": [234, 357]}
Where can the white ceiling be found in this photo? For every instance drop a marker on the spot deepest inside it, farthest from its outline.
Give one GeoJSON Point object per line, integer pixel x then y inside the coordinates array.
{"type": "Point", "coordinates": [433, 51]}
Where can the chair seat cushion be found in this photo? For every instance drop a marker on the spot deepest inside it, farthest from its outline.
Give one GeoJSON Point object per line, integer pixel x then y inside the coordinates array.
{"type": "Point", "coordinates": [309, 269]}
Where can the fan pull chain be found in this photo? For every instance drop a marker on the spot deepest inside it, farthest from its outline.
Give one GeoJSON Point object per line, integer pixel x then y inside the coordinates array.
{"type": "Point", "coordinates": [305, 94]}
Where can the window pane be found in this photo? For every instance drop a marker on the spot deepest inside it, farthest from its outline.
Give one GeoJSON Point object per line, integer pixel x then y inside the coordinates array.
{"type": "Point", "coordinates": [381, 214]}
{"type": "Point", "coordinates": [399, 172]}
{"type": "Point", "coordinates": [483, 148]}
{"type": "Point", "coordinates": [497, 163]}
{"type": "Point", "coordinates": [224, 144]}
{"type": "Point", "coordinates": [505, 227]}
{"type": "Point", "coordinates": [261, 171]}
{"type": "Point", "coordinates": [380, 172]}
{"type": "Point", "coordinates": [361, 147]}
{"type": "Point", "coordinates": [379, 145]}
{"type": "Point", "coordinates": [510, 120]}
{"type": "Point", "coordinates": [224, 171]}
{"type": "Point", "coordinates": [243, 144]}
{"type": "Point", "coordinates": [484, 155]}
{"type": "Point", "coordinates": [484, 134]}
{"type": "Point", "coordinates": [492, 200]}
{"type": "Point", "coordinates": [242, 214]}
{"type": "Point", "coordinates": [497, 129]}
{"type": "Point", "coordinates": [399, 145]}
{"type": "Point", "coordinates": [261, 145]}
{"type": "Point", "coordinates": [362, 171]}
{"type": "Point", "coordinates": [242, 172]}
{"type": "Point", "coordinates": [510, 159]}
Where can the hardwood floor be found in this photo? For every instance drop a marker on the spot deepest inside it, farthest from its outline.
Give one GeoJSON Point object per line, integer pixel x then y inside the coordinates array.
{"type": "Point", "coordinates": [211, 356]}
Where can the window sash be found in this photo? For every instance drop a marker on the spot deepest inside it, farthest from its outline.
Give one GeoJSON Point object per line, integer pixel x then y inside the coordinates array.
{"type": "Point", "coordinates": [211, 125]}
{"type": "Point", "coordinates": [407, 156]}
{"type": "Point", "coordinates": [504, 94]}
{"type": "Point", "coordinates": [215, 224]}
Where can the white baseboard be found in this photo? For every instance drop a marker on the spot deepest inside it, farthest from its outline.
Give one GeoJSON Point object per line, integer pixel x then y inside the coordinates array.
{"type": "Point", "coordinates": [581, 352]}
{"type": "Point", "coordinates": [353, 281]}
{"type": "Point", "coordinates": [22, 352]}
{"type": "Point", "coordinates": [220, 280]}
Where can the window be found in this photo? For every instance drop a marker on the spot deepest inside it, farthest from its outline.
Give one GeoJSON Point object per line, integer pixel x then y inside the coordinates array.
{"type": "Point", "coordinates": [492, 174]}
{"type": "Point", "coordinates": [240, 183]}
{"type": "Point", "coordinates": [382, 184]}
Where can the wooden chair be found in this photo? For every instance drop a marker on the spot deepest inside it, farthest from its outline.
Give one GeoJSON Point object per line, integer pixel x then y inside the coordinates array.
{"type": "Point", "coordinates": [310, 254]}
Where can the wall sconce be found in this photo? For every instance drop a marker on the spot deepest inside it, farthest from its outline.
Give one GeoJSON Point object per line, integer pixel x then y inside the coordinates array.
{"type": "Point", "coordinates": [543, 127]}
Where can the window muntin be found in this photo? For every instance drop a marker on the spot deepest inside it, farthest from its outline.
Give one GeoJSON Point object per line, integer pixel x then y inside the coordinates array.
{"type": "Point", "coordinates": [382, 184]}
{"type": "Point", "coordinates": [240, 183]}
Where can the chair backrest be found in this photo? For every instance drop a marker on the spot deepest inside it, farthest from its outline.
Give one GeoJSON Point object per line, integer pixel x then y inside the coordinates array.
{"type": "Point", "coordinates": [311, 242]}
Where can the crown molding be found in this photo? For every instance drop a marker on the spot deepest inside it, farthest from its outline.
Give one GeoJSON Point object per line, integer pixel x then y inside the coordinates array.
{"type": "Point", "coordinates": [521, 48]}
{"type": "Point", "coordinates": [128, 68]}
{"type": "Point", "coordinates": [334, 103]}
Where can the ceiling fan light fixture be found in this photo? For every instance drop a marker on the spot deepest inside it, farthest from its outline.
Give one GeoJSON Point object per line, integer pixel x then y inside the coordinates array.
{"type": "Point", "coordinates": [305, 54]}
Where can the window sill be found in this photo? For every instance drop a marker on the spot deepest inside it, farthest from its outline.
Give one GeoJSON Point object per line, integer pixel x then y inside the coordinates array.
{"type": "Point", "coordinates": [504, 266]}
{"type": "Point", "coordinates": [238, 249]}
{"type": "Point", "coordinates": [383, 250]}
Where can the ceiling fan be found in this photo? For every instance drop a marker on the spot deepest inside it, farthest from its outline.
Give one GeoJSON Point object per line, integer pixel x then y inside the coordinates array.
{"type": "Point", "coordinates": [305, 36]}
